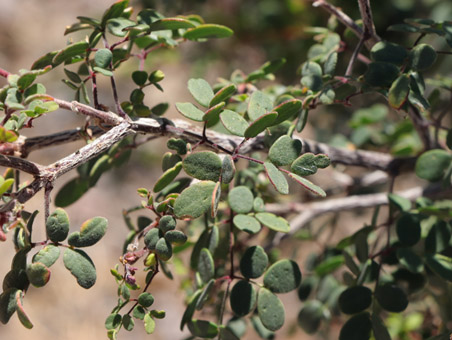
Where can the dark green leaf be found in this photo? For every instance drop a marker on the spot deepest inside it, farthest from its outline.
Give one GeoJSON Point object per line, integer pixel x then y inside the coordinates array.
{"type": "Point", "coordinates": [170, 24]}
{"type": "Point", "coordinates": [438, 237]}
{"type": "Point", "coordinates": [260, 124]}
{"type": "Point", "coordinates": [243, 298]}
{"type": "Point", "coordinates": [381, 74]}
{"type": "Point", "coordinates": [38, 274]}
{"type": "Point", "coordinates": [73, 50]}
{"type": "Point", "coordinates": [282, 276]}
{"type": "Point", "coordinates": [205, 294]}
{"type": "Point", "coordinates": [286, 110]}
{"type": "Point", "coordinates": [398, 92]}
{"type": "Point", "coordinates": [408, 230]}
{"type": "Point", "coordinates": [212, 114]}
{"type": "Point", "coordinates": [270, 310]}
{"type": "Point", "coordinates": [8, 304]}
{"type": "Point", "coordinates": [391, 297]}
{"type": "Point", "coordinates": [310, 316]}
{"type": "Point", "coordinates": [176, 237]}
{"type": "Point", "coordinates": [254, 262]}
{"type": "Point", "coordinates": [208, 31]}
{"type": "Point", "coordinates": [206, 266]}
{"type": "Point", "coordinates": [190, 310]}
{"type": "Point", "coordinates": [145, 299]}
{"type": "Point", "coordinates": [355, 299]}
{"type": "Point", "coordinates": [113, 321]}
{"type": "Point", "coordinates": [284, 151]}
{"type": "Point", "coordinates": [47, 255]}
{"type": "Point", "coordinates": [387, 52]}
{"type": "Point", "coordinates": [167, 177]}
{"type": "Point", "coordinates": [223, 94]}
{"type": "Point", "coordinates": [357, 328]}
{"type": "Point", "coordinates": [203, 328]}
{"type": "Point", "coordinates": [151, 238]}
{"type": "Point", "coordinates": [440, 265]}
{"type": "Point", "coordinates": [204, 165]}
{"type": "Point", "coordinates": [410, 260]}
{"type": "Point", "coordinates": [71, 192]}
{"type": "Point", "coordinates": [422, 57]}
{"type": "Point", "coordinates": [432, 165]}
{"type": "Point", "coordinates": [379, 329]}
{"type": "Point", "coordinates": [90, 233]}
{"type": "Point", "coordinates": [227, 169]}
{"type": "Point", "coordinates": [402, 203]}
{"type": "Point", "coordinates": [164, 249]}
{"type": "Point", "coordinates": [81, 266]}
{"type": "Point", "coordinates": [23, 318]}
{"type": "Point", "coordinates": [139, 77]}
{"type": "Point", "coordinates": [57, 225]}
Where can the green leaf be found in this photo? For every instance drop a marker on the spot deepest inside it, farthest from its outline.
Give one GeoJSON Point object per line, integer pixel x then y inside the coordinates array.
{"type": "Point", "coordinates": [259, 104]}
{"type": "Point", "coordinates": [282, 276]}
{"type": "Point", "coordinates": [408, 230]}
{"type": "Point", "coordinates": [410, 260]}
{"type": "Point", "coordinates": [304, 165]}
{"type": "Point", "coordinates": [381, 74]}
{"type": "Point", "coordinates": [205, 294]}
{"type": "Point", "coordinates": [379, 329]}
{"type": "Point", "coordinates": [286, 110]}
{"type": "Point", "coordinates": [201, 91]}
{"type": "Point", "coordinates": [433, 164]}
{"type": "Point", "coordinates": [127, 322]}
{"type": "Point", "coordinates": [194, 200]}
{"type": "Point", "coordinates": [312, 82]}
{"type": "Point", "coordinates": [145, 299]}
{"type": "Point", "coordinates": [208, 31]}
{"type": "Point", "coordinates": [57, 225]}
{"type": "Point", "coordinates": [422, 57]}
{"type": "Point", "coordinates": [234, 122]}
{"type": "Point", "coordinates": [118, 26]}
{"type": "Point", "coordinates": [203, 328]}
{"type": "Point", "coordinates": [23, 317]}
{"type": "Point", "coordinates": [227, 169]}
{"type": "Point", "coordinates": [398, 92]}
{"type": "Point", "coordinates": [71, 192]}
{"type": "Point", "coordinates": [387, 52]}
{"type": "Point", "coordinates": [139, 312]}
{"type": "Point", "coordinates": [139, 77]}
{"type": "Point", "coordinates": [438, 237]}
{"type": "Point", "coordinates": [253, 262]}
{"type": "Point", "coordinates": [176, 237]}
{"type": "Point", "coordinates": [113, 321]}
{"type": "Point", "coordinates": [206, 266]}
{"type": "Point", "coordinates": [204, 165]}
{"type": "Point", "coordinates": [44, 61]}
{"type": "Point", "coordinates": [114, 11]}
{"type": "Point", "coordinates": [270, 310]}
{"type": "Point", "coordinates": [81, 266]}
{"type": "Point", "coordinates": [276, 178]}
{"type": "Point", "coordinates": [260, 329]}
{"type": "Point", "coordinates": [260, 124]}
{"type": "Point", "coordinates": [223, 94]}
{"type": "Point", "coordinates": [243, 298]}
{"type": "Point", "coordinates": [190, 111]}
{"type": "Point", "coordinates": [329, 67]}
{"type": "Point", "coordinates": [329, 265]}
{"type": "Point", "coordinates": [284, 151]}
{"type": "Point", "coordinates": [103, 58]}
{"type": "Point", "coordinates": [47, 255]}
{"type": "Point", "coordinates": [149, 324]}
{"type": "Point", "coordinates": [441, 265]}
{"type": "Point", "coordinates": [167, 177]}
{"type": "Point", "coordinates": [6, 185]}
{"type": "Point", "coordinates": [355, 299]}
{"type": "Point", "coordinates": [38, 274]}
{"type": "Point", "coordinates": [273, 222]}
{"type": "Point", "coordinates": [151, 238]}
{"type": "Point", "coordinates": [190, 310]}
{"type": "Point", "coordinates": [170, 24]}
{"type": "Point", "coordinates": [212, 114]}
{"type": "Point", "coordinates": [164, 249]}
{"type": "Point", "coordinates": [90, 233]}
{"type": "Point", "coordinates": [310, 316]}
{"type": "Point", "coordinates": [169, 160]}
{"type": "Point", "coordinates": [247, 223]}
{"type": "Point", "coordinates": [391, 298]}
{"type": "Point", "coordinates": [8, 304]}
{"type": "Point", "coordinates": [177, 144]}
{"type": "Point", "coordinates": [356, 328]}
{"type": "Point", "coordinates": [240, 199]}
{"type": "Point", "coordinates": [73, 50]}
{"type": "Point", "coordinates": [401, 203]}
